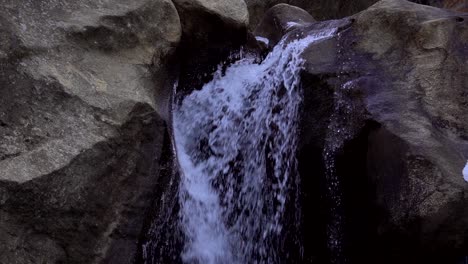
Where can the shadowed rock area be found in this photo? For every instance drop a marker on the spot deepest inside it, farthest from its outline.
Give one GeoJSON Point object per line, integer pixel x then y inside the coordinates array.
{"type": "Point", "coordinates": [212, 31]}
{"type": "Point", "coordinates": [83, 103]}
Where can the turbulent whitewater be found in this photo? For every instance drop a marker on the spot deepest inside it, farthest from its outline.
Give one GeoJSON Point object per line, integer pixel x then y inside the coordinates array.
{"type": "Point", "coordinates": [236, 142]}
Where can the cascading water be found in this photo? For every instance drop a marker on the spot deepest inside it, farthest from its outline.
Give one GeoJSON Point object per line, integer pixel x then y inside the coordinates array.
{"type": "Point", "coordinates": [339, 130]}
{"type": "Point", "coordinates": [236, 142]}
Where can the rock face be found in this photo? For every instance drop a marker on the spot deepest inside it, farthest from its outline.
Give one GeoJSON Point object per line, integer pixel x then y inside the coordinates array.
{"type": "Point", "coordinates": [390, 91]}
{"type": "Point", "coordinates": [83, 98]}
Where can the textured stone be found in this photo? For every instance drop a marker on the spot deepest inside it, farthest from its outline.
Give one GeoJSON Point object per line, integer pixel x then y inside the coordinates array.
{"type": "Point", "coordinates": [232, 12]}
{"type": "Point", "coordinates": [83, 99]}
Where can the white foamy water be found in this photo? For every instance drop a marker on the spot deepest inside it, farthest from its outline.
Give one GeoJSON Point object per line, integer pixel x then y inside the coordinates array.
{"type": "Point", "coordinates": [236, 142]}
{"type": "Point", "coordinates": [465, 172]}
{"type": "Point", "coordinates": [291, 24]}
{"type": "Point", "coordinates": [262, 39]}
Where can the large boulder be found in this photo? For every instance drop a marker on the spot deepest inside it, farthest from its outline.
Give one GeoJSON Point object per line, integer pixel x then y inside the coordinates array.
{"type": "Point", "coordinates": [388, 97]}
{"type": "Point", "coordinates": [319, 9]}
{"type": "Point", "coordinates": [232, 14]}
{"type": "Point", "coordinates": [334, 9]}
{"type": "Point", "coordinates": [278, 21]}
{"type": "Point", "coordinates": [84, 96]}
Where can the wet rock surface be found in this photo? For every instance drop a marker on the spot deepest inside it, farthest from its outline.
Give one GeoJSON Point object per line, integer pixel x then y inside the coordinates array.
{"type": "Point", "coordinates": [278, 21]}
{"type": "Point", "coordinates": [399, 73]}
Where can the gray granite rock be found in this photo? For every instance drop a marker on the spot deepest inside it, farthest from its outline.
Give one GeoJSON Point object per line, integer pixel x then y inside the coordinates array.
{"type": "Point", "coordinates": [83, 103]}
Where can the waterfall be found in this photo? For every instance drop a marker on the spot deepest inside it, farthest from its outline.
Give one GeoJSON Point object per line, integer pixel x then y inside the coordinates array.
{"type": "Point", "coordinates": [236, 142]}
{"type": "Point", "coordinates": [345, 123]}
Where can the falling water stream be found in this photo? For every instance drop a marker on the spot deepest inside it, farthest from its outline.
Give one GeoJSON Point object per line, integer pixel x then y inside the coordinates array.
{"type": "Point", "coordinates": [236, 142]}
